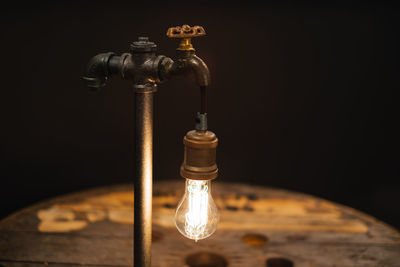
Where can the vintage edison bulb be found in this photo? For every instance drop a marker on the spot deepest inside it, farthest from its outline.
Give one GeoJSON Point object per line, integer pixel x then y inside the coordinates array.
{"type": "Point", "coordinates": [197, 215]}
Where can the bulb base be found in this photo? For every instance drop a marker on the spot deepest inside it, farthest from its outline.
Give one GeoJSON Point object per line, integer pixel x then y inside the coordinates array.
{"type": "Point", "coordinates": [199, 162]}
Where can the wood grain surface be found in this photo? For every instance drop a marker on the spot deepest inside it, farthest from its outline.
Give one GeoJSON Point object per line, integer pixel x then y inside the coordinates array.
{"type": "Point", "coordinates": [258, 227]}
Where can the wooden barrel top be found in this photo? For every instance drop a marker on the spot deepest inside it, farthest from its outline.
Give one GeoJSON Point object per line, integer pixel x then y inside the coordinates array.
{"type": "Point", "coordinates": [258, 227]}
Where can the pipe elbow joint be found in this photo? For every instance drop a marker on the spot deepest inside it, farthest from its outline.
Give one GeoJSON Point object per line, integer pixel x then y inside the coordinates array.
{"type": "Point", "coordinates": [97, 71]}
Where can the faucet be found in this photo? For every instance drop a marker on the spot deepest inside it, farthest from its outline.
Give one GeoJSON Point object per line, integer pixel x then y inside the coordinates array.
{"type": "Point", "coordinates": [146, 70]}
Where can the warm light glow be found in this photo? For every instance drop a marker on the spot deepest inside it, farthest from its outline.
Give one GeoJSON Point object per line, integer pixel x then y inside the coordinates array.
{"type": "Point", "coordinates": [197, 215]}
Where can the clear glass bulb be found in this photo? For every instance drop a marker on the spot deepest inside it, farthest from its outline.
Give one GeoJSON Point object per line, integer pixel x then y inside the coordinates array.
{"type": "Point", "coordinates": [197, 215]}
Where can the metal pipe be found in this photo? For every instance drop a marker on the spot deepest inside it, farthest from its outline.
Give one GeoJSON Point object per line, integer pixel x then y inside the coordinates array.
{"type": "Point", "coordinates": [97, 71]}
{"type": "Point", "coordinates": [203, 100]}
{"type": "Point", "coordinates": [143, 182]}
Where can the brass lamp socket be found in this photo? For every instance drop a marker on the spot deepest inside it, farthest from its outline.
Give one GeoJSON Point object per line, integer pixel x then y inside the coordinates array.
{"type": "Point", "coordinates": [199, 162]}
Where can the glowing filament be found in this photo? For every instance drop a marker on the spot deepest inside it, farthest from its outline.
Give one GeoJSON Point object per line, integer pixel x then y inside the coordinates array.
{"type": "Point", "coordinates": [197, 215]}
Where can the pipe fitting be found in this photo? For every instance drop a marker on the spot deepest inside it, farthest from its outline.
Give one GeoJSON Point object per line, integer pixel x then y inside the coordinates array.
{"type": "Point", "coordinates": [186, 61]}
{"type": "Point", "coordinates": [97, 70]}
{"type": "Point", "coordinates": [200, 70]}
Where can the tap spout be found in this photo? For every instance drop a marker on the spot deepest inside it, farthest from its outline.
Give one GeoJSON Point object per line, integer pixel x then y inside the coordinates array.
{"type": "Point", "coordinates": [200, 70]}
{"type": "Point", "coordinates": [186, 61]}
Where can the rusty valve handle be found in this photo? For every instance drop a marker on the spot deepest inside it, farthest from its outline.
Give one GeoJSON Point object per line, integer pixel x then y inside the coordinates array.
{"type": "Point", "coordinates": [185, 33]}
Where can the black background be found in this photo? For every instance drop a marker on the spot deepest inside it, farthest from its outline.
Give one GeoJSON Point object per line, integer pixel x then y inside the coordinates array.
{"type": "Point", "coordinates": [302, 98]}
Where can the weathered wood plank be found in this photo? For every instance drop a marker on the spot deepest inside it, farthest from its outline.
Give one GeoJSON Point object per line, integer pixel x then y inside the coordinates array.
{"type": "Point", "coordinates": [27, 219]}
{"type": "Point", "coordinates": [49, 264]}
{"type": "Point", "coordinates": [63, 248]}
{"type": "Point", "coordinates": [172, 250]}
{"type": "Point", "coordinates": [95, 228]}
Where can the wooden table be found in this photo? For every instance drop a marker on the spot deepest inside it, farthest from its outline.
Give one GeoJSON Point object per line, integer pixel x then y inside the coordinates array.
{"type": "Point", "coordinates": [258, 227]}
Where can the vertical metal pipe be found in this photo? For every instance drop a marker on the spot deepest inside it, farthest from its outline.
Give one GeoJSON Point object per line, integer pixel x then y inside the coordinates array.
{"type": "Point", "coordinates": [143, 182]}
{"type": "Point", "coordinates": [203, 100]}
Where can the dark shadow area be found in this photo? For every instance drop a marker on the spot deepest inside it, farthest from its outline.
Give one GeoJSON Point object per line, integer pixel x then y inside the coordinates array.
{"type": "Point", "coordinates": [206, 259]}
{"type": "Point", "coordinates": [279, 262]}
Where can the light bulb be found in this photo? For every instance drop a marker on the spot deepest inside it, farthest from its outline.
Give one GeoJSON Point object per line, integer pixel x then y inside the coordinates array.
{"type": "Point", "coordinates": [197, 215]}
